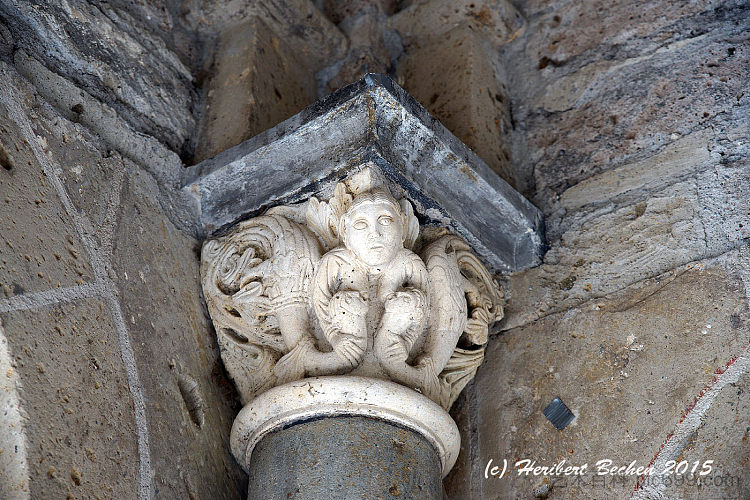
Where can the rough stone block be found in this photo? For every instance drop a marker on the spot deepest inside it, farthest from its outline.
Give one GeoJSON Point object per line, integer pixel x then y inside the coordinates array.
{"type": "Point", "coordinates": [590, 97]}
{"type": "Point", "coordinates": [79, 106]}
{"type": "Point", "coordinates": [627, 365]}
{"type": "Point", "coordinates": [601, 114]}
{"type": "Point", "coordinates": [314, 39]}
{"type": "Point", "coordinates": [258, 81]}
{"type": "Point", "coordinates": [723, 438]}
{"type": "Point", "coordinates": [339, 10]}
{"type": "Point", "coordinates": [679, 159]}
{"type": "Point", "coordinates": [190, 403]}
{"type": "Point", "coordinates": [80, 430]}
{"type": "Point", "coordinates": [179, 24]}
{"type": "Point", "coordinates": [460, 481]}
{"type": "Point", "coordinates": [116, 61]}
{"type": "Point", "coordinates": [563, 33]}
{"type": "Point", "coordinates": [462, 91]}
{"type": "Point", "coordinates": [372, 46]}
{"type": "Point", "coordinates": [606, 249]}
{"type": "Point", "coordinates": [92, 178]}
{"type": "Point", "coordinates": [40, 247]}
{"type": "Point", "coordinates": [498, 20]}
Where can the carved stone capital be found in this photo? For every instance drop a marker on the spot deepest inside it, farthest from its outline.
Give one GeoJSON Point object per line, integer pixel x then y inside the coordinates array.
{"type": "Point", "coordinates": [349, 285]}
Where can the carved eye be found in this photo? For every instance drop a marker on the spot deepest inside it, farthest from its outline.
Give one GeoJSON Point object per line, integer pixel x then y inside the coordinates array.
{"type": "Point", "coordinates": [385, 220]}
{"type": "Point", "coordinates": [360, 224]}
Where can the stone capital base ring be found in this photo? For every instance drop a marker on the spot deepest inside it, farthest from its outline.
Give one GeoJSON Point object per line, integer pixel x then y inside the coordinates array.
{"type": "Point", "coordinates": [333, 396]}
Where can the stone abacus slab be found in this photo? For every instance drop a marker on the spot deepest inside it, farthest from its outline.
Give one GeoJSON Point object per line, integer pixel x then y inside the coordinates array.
{"type": "Point", "coordinates": [372, 121]}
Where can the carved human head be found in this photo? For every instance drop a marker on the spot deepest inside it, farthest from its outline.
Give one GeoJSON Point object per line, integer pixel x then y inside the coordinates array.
{"type": "Point", "coordinates": [373, 227]}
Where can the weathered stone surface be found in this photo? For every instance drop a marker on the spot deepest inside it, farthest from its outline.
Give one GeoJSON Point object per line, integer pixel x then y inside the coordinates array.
{"type": "Point", "coordinates": [106, 197]}
{"type": "Point", "coordinates": [91, 174]}
{"type": "Point", "coordinates": [80, 431]}
{"type": "Point", "coordinates": [189, 402]}
{"type": "Point", "coordinates": [564, 34]}
{"type": "Point", "coordinates": [463, 92]}
{"type": "Point", "coordinates": [683, 157]}
{"type": "Point", "coordinates": [79, 106]}
{"type": "Point", "coordinates": [104, 53]}
{"type": "Point", "coordinates": [461, 481]}
{"type": "Point", "coordinates": [344, 457]}
{"type": "Point", "coordinates": [372, 46]}
{"type": "Point", "coordinates": [372, 120]}
{"type": "Point", "coordinates": [613, 247]}
{"type": "Point", "coordinates": [498, 20]}
{"type": "Point", "coordinates": [724, 439]}
{"type": "Point", "coordinates": [339, 10]}
{"type": "Point", "coordinates": [316, 40]}
{"type": "Point", "coordinates": [627, 365]}
{"type": "Point", "coordinates": [586, 103]}
{"type": "Point", "coordinates": [257, 81]}
{"type": "Point", "coordinates": [14, 467]}
{"type": "Point", "coordinates": [40, 247]}
{"type": "Point", "coordinates": [644, 123]}
{"type": "Point", "coordinates": [176, 22]}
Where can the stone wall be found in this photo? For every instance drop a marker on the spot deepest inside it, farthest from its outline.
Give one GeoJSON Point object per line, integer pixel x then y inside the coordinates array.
{"type": "Point", "coordinates": [626, 124]}
{"type": "Point", "coordinates": [630, 131]}
{"type": "Point", "coordinates": [107, 350]}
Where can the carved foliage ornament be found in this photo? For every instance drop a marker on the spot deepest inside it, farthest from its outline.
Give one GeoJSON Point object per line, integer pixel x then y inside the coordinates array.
{"type": "Point", "coordinates": [348, 286]}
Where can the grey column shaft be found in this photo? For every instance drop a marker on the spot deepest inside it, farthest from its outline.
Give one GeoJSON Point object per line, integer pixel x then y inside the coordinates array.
{"type": "Point", "coordinates": [344, 458]}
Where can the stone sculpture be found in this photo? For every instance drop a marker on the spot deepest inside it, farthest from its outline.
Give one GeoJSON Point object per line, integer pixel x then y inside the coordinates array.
{"type": "Point", "coordinates": [348, 286]}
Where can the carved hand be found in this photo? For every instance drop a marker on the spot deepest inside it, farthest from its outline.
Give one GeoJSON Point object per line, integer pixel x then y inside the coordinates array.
{"type": "Point", "coordinates": [400, 326]}
{"type": "Point", "coordinates": [348, 311]}
{"type": "Point", "coordinates": [345, 305]}
{"type": "Point", "coordinates": [349, 347]}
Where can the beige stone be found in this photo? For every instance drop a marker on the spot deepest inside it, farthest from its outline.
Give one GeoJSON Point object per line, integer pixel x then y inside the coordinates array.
{"type": "Point", "coordinates": [498, 20]}
{"type": "Point", "coordinates": [683, 157]}
{"type": "Point", "coordinates": [723, 438]}
{"type": "Point", "coordinates": [368, 50]}
{"type": "Point", "coordinates": [14, 467]}
{"type": "Point", "coordinates": [103, 364]}
{"type": "Point", "coordinates": [315, 40]}
{"type": "Point", "coordinates": [339, 10]}
{"type": "Point", "coordinates": [38, 251]}
{"type": "Point", "coordinates": [75, 388]}
{"type": "Point", "coordinates": [258, 81]}
{"type": "Point", "coordinates": [608, 250]}
{"type": "Point", "coordinates": [189, 402]}
{"type": "Point", "coordinates": [453, 77]}
{"type": "Point", "coordinates": [596, 115]}
{"type": "Point", "coordinates": [627, 366]}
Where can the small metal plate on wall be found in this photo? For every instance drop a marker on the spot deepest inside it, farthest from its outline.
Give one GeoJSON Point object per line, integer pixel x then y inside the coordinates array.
{"type": "Point", "coordinates": [559, 414]}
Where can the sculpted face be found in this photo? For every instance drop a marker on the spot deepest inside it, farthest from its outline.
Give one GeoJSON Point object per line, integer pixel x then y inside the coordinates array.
{"type": "Point", "coordinates": [374, 230]}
